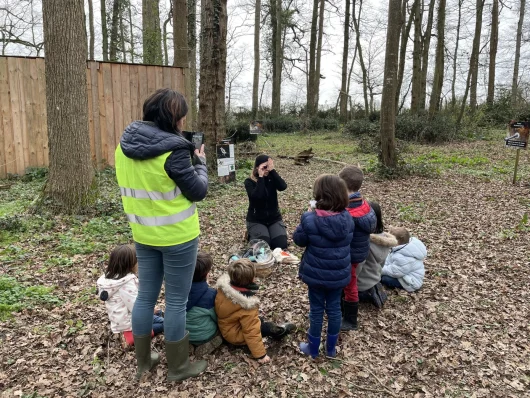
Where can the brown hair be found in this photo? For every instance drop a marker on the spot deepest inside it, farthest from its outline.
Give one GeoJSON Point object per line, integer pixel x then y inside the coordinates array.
{"type": "Point", "coordinates": [242, 272]}
{"type": "Point", "coordinates": [330, 192]}
{"type": "Point", "coordinates": [122, 260]}
{"type": "Point", "coordinates": [165, 107]}
{"type": "Point", "coordinates": [401, 234]}
{"type": "Point", "coordinates": [353, 177]}
{"type": "Point", "coordinates": [203, 265]}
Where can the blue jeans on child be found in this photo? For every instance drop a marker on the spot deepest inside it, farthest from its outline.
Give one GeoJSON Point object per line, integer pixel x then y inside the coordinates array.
{"type": "Point", "coordinates": [320, 300]}
{"type": "Point", "coordinates": [175, 265]}
{"type": "Point", "coordinates": [391, 282]}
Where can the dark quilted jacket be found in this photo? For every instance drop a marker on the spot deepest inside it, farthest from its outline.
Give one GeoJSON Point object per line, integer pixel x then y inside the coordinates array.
{"type": "Point", "coordinates": [144, 140]}
{"type": "Point", "coordinates": [201, 295]}
{"type": "Point", "coordinates": [263, 198]}
{"type": "Point", "coordinates": [365, 222]}
{"type": "Point", "coordinates": [327, 236]}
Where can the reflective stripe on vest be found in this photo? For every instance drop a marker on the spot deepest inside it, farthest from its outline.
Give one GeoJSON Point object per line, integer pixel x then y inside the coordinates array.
{"type": "Point", "coordinates": [160, 221]}
{"type": "Point", "coordinates": [153, 195]}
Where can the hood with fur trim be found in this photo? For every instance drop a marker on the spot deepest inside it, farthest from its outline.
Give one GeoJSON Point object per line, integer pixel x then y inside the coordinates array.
{"type": "Point", "coordinates": [223, 283]}
{"type": "Point", "coordinates": [384, 239]}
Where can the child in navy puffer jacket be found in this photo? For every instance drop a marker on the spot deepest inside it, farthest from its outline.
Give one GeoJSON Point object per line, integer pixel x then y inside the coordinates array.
{"type": "Point", "coordinates": [326, 267]}
{"type": "Point", "coordinates": [365, 223]}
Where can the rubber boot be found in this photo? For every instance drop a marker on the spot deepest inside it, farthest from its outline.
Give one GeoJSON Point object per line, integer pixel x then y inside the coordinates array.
{"type": "Point", "coordinates": [283, 330]}
{"type": "Point", "coordinates": [331, 342]}
{"type": "Point", "coordinates": [311, 347]}
{"type": "Point", "coordinates": [145, 358]}
{"type": "Point", "coordinates": [349, 321]}
{"type": "Point", "coordinates": [179, 366]}
{"type": "Point", "coordinates": [208, 347]}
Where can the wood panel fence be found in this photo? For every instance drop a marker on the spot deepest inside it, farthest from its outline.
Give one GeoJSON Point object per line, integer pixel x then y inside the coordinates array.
{"type": "Point", "coordinates": [116, 93]}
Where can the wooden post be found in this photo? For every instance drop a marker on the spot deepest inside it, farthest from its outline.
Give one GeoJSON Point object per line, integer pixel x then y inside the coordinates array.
{"type": "Point", "coordinates": [516, 165]}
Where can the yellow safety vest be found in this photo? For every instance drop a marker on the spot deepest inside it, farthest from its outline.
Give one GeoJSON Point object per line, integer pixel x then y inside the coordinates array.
{"type": "Point", "coordinates": [158, 213]}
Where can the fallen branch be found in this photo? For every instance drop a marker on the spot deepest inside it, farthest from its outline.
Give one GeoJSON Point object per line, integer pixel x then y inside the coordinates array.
{"type": "Point", "coordinates": [316, 158]}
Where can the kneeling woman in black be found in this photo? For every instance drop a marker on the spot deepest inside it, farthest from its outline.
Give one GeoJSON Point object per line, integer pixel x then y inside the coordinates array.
{"type": "Point", "coordinates": [264, 219]}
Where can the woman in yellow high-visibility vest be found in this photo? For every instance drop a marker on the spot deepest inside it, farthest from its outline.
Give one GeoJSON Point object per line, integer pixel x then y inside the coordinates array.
{"type": "Point", "coordinates": [161, 175]}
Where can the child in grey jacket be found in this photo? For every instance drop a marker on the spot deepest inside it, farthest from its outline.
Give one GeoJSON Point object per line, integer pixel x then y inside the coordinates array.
{"type": "Point", "coordinates": [404, 267]}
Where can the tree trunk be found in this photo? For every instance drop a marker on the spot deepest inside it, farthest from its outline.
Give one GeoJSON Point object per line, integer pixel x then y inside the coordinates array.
{"type": "Point", "coordinates": [473, 64]}
{"type": "Point", "coordinates": [104, 31]}
{"type": "Point", "coordinates": [426, 45]}
{"type": "Point", "coordinates": [91, 30]}
{"type": "Point", "coordinates": [388, 101]}
{"type": "Point", "coordinates": [455, 55]}
{"type": "Point", "coordinates": [276, 20]}
{"type": "Point", "coordinates": [164, 37]}
{"type": "Point", "coordinates": [515, 79]}
{"type": "Point", "coordinates": [319, 53]}
{"type": "Point", "coordinates": [152, 37]}
{"type": "Point", "coordinates": [192, 56]}
{"type": "Point", "coordinates": [116, 10]}
{"type": "Point", "coordinates": [312, 61]}
{"type": "Point", "coordinates": [405, 32]}
{"type": "Point", "coordinates": [439, 66]}
{"type": "Point", "coordinates": [122, 37]}
{"type": "Point", "coordinates": [131, 33]}
{"type": "Point", "coordinates": [255, 80]}
{"type": "Point", "coordinates": [343, 114]}
{"type": "Point", "coordinates": [180, 34]}
{"type": "Point", "coordinates": [71, 174]}
{"type": "Point", "coordinates": [494, 41]}
{"type": "Point", "coordinates": [415, 96]}
{"type": "Point", "coordinates": [360, 52]}
{"type": "Point", "coordinates": [214, 21]}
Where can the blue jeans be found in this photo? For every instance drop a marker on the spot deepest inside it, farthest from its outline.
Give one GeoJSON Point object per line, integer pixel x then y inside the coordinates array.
{"type": "Point", "coordinates": [391, 282]}
{"type": "Point", "coordinates": [321, 300]}
{"type": "Point", "coordinates": [175, 264]}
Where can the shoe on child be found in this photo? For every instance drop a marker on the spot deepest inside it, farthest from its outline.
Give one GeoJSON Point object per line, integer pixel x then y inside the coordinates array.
{"type": "Point", "coordinates": [208, 347]}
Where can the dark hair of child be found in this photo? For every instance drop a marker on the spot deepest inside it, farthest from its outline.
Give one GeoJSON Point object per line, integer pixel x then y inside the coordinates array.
{"type": "Point", "coordinates": [377, 210]}
{"type": "Point", "coordinates": [203, 266]}
{"type": "Point", "coordinates": [353, 177]}
{"type": "Point", "coordinates": [241, 272]}
{"type": "Point", "coordinates": [330, 193]}
{"type": "Point", "coordinates": [122, 260]}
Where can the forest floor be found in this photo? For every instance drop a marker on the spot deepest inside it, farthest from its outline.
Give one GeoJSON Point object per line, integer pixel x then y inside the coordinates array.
{"type": "Point", "coordinates": [464, 334]}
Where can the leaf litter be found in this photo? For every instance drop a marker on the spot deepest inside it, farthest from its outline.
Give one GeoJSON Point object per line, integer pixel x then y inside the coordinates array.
{"type": "Point", "coordinates": [464, 334]}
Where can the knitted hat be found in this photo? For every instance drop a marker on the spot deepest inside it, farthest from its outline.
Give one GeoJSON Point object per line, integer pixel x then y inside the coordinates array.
{"type": "Point", "coordinates": [261, 159]}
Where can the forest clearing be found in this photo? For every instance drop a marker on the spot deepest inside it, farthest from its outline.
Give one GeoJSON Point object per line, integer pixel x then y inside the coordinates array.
{"type": "Point", "coordinates": [464, 334]}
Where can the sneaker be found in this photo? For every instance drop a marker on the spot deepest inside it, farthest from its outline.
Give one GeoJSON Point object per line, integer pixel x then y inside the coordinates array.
{"type": "Point", "coordinates": [379, 295]}
{"type": "Point", "coordinates": [283, 330]}
{"type": "Point", "coordinates": [209, 347]}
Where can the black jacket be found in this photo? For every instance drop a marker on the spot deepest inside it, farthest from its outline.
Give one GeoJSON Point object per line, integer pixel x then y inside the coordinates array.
{"type": "Point", "coordinates": [263, 198]}
{"type": "Point", "coordinates": [144, 140]}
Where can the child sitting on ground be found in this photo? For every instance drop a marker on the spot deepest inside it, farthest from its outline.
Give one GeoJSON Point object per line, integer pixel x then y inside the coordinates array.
{"type": "Point", "coordinates": [326, 233]}
{"type": "Point", "coordinates": [404, 267]}
{"type": "Point", "coordinates": [118, 288]}
{"type": "Point", "coordinates": [365, 223]}
{"type": "Point", "coordinates": [201, 320]}
{"type": "Point", "coordinates": [237, 310]}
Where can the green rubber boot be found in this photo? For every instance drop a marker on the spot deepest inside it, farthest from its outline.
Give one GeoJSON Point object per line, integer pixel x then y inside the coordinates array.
{"type": "Point", "coordinates": [146, 359]}
{"type": "Point", "coordinates": [179, 366]}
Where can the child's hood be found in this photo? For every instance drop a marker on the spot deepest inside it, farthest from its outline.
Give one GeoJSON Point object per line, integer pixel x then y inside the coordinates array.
{"type": "Point", "coordinates": [415, 248]}
{"type": "Point", "coordinates": [223, 284]}
{"type": "Point", "coordinates": [333, 226]}
{"type": "Point", "coordinates": [111, 286]}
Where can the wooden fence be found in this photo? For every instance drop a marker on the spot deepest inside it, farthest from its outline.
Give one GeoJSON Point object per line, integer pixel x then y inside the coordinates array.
{"type": "Point", "coordinates": [116, 93]}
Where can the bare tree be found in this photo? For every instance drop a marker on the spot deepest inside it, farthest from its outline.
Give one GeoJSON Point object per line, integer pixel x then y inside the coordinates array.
{"type": "Point", "coordinates": [104, 30]}
{"type": "Point", "coordinates": [515, 79]}
{"type": "Point", "coordinates": [475, 53]}
{"type": "Point", "coordinates": [426, 44]}
{"type": "Point", "coordinates": [213, 73]}
{"type": "Point", "coordinates": [255, 81]}
{"type": "Point", "coordinates": [439, 66]}
{"type": "Point", "coordinates": [91, 29]}
{"type": "Point", "coordinates": [114, 29]}
{"type": "Point", "coordinates": [311, 94]}
{"type": "Point", "coordinates": [277, 55]}
{"type": "Point", "coordinates": [415, 97]}
{"type": "Point", "coordinates": [388, 102]}
{"type": "Point", "coordinates": [455, 55]}
{"type": "Point", "coordinates": [360, 52]}
{"type": "Point", "coordinates": [180, 34]}
{"type": "Point", "coordinates": [71, 174]}
{"type": "Point", "coordinates": [164, 35]}
{"type": "Point", "coordinates": [152, 37]}
{"type": "Point", "coordinates": [192, 56]}
{"type": "Point", "coordinates": [494, 41]}
{"type": "Point", "coordinates": [405, 32]}
{"type": "Point", "coordinates": [18, 27]}
{"type": "Point", "coordinates": [344, 76]}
